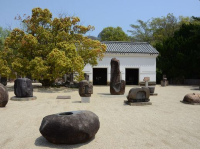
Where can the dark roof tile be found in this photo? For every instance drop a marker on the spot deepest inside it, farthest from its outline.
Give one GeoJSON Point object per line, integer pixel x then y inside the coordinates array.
{"type": "Point", "coordinates": [129, 47]}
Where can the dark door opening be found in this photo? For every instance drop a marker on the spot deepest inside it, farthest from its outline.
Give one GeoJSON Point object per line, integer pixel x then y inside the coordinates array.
{"type": "Point", "coordinates": [132, 76]}
{"type": "Point", "coordinates": [99, 76]}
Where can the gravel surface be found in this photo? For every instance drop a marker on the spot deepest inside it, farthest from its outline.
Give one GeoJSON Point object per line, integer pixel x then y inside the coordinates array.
{"type": "Point", "coordinates": [166, 124]}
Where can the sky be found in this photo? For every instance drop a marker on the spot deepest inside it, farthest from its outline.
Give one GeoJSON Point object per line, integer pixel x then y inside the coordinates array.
{"type": "Point", "coordinates": [100, 13]}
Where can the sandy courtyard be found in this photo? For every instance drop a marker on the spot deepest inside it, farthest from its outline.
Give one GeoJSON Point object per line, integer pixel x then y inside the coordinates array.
{"type": "Point", "coordinates": [167, 123]}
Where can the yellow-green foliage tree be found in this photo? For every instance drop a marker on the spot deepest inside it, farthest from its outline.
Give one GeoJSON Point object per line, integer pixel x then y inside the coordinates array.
{"type": "Point", "coordinates": [50, 47]}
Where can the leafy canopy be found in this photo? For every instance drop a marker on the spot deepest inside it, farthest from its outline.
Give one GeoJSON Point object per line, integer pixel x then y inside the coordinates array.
{"type": "Point", "coordinates": [48, 48]}
{"type": "Point", "coordinates": [157, 29]}
{"type": "Point", "coordinates": [113, 34]}
{"type": "Point", "coordinates": [180, 55]}
{"type": "Point", "coordinates": [4, 69]}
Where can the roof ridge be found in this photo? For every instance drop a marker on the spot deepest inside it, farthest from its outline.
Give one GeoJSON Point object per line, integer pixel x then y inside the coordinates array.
{"type": "Point", "coordinates": [123, 42]}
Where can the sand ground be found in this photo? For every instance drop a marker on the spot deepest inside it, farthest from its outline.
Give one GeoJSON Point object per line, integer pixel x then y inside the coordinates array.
{"type": "Point", "coordinates": [165, 124]}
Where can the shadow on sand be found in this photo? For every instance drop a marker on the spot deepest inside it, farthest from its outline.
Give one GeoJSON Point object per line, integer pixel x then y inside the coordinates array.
{"type": "Point", "coordinates": [104, 93]}
{"type": "Point", "coordinates": [41, 89]}
{"type": "Point", "coordinates": [197, 88]}
{"type": "Point", "coordinates": [110, 96]}
{"type": "Point", "coordinates": [76, 101]}
{"type": "Point", "coordinates": [54, 89]}
{"type": "Point", "coordinates": [42, 142]}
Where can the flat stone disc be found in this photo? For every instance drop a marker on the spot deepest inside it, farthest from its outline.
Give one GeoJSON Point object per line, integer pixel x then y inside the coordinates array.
{"type": "Point", "coordinates": [63, 97]}
{"type": "Point", "coordinates": [23, 99]}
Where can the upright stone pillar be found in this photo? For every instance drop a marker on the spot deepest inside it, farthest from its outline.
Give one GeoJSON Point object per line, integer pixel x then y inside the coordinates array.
{"type": "Point", "coordinates": [164, 82]}
{"type": "Point", "coordinates": [146, 80]}
{"type": "Point", "coordinates": [117, 86]}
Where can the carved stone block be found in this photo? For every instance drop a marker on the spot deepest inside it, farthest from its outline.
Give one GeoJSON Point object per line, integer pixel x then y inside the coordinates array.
{"type": "Point", "coordinates": [23, 87]}
{"type": "Point", "coordinates": [138, 95]}
{"type": "Point", "coordinates": [85, 88]}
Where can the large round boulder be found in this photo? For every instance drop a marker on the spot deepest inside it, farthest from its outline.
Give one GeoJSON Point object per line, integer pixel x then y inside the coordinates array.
{"type": "Point", "coordinates": [70, 127]}
{"type": "Point", "coordinates": [3, 96]}
{"type": "Point", "coordinates": [192, 98]}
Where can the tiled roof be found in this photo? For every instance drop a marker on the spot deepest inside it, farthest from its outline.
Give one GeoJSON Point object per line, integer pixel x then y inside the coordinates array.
{"type": "Point", "coordinates": [121, 47]}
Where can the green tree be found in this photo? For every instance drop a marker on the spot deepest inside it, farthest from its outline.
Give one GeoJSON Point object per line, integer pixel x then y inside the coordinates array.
{"type": "Point", "coordinates": [157, 29]}
{"type": "Point", "coordinates": [48, 48]}
{"type": "Point", "coordinates": [3, 34]}
{"type": "Point", "coordinates": [141, 32]}
{"type": "Point", "coordinates": [180, 55]}
{"type": "Point", "coordinates": [4, 69]}
{"type": "Point", "coordinates": [113, 34]}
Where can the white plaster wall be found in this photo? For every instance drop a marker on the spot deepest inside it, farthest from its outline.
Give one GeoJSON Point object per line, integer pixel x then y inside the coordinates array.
{"type": "Point", "coordinates": [145, 62]}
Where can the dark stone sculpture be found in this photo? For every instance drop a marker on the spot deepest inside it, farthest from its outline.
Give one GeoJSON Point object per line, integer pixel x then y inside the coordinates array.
{"type": "Point", "coordinates": [70, 127]}
{"type": "Point", "coordinates": [117, 86]}
{"type": "Point", "coordinates": [85, 88]}
{"type": "Point", "coordinates": [3, 80]}
{"type": "Point", "coordinates": [164, 82]}
{"type": "Point", "coordinates": [139, 94]}
{"type": "Point", "coordinates": [192, 98]}
{"type": "Point", "coordinates": [23, 87]}
{"type": "Point", "coordinates": [3, 96]}
{"type": "Point", "coordinates": [151, 89]}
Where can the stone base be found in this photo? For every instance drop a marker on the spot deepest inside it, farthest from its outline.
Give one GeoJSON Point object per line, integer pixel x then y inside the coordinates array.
{"type": "Point", "coordinates": [85, 99]}
{"type": "Point", "coordinates": [150, 83]}
{"type": "Point", "coordinates": [23, 99]}
{"type": "Point", "coordinates": [190, 103]}
{"type": "Point", "coordinates": [153, 94]}
{"type": "Point", "coordinates": [137, 103]}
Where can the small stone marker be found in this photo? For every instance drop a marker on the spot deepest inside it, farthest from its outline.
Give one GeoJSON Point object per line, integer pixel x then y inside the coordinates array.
{"type": "Point", "coordinates": [63, 97]}
{"type": "Point", "coordinates": [146, 80]}
{"type": "Point", "coordinates": [164, 82]}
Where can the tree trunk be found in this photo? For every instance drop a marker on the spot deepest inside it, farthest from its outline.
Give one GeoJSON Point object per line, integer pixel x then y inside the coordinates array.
{"type": "Point", "coordinates": [71, 80]}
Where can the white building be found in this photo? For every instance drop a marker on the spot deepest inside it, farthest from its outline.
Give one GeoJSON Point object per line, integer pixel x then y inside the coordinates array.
{"type": "Point", "coordinates": [137, 60]}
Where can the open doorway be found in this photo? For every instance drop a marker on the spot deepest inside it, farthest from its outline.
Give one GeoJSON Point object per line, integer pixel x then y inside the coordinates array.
{"type": "Point", "coordinates": [99, 76]}
{"type": "Point", "coordinates": [132, 76]}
